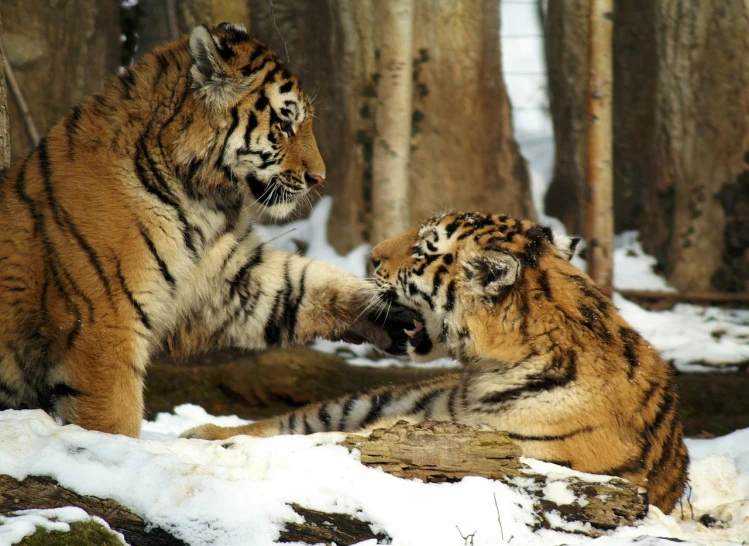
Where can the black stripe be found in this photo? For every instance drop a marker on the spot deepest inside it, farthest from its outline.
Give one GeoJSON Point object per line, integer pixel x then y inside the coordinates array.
{"type": "Point", "coordinates": [549, 438]}
{"type": "Point", "coordinates": [450, 297]}
{"type": "Point", "coordinates": [138, 308]}
{"type": "Point", "coordinates": [272, 330]}
{"type": "Point", "coordinates": [451, 402]}
{"type": "Point", "coordinates": [348, 405]}
{"type": "Point", "coordinates": [543, 283]}
{"type": "Point", "coordinates": [561, 373]}
{"type": "Point", "coordinates": [127, 78]}
{"type": "Point", "coordinates": [292, 423]}
{"type": "Point", "coordinates": [292, 310]}
{"type": "Point", "coordinates": [72, 124]}
{"type": "Point", "coordinates": [631, 340]}
{"type": "Point", "coordinates": [50, 254]}
{"type": "Point", "coordinates": [425, 403]}
{"type": "Point", "coordinates": [63, 219]}
{"type": "Point", "coordinates": [262, 102]}
{"type": "Point", "coordinates": [64, 390]}
{"type": "Point", "coordinates": [162, 265]}
{"type": "Point", "coordinates": [324, 416]}
{"type": "Point", "coordinates": [286, 88]}
{"type": "Point", "coordinates": [232, 127]}
{"type": "Point", "coordinates": [378, 403]}
{"type": "Point", "coordinates": [307, 427]}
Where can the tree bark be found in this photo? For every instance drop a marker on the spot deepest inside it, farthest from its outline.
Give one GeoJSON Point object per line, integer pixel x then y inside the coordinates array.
{"type": "Point", "coordinates": [681, 120]}
{"type": "Point", "coordinates": [702, 143]}
{"type": "Point", "coordinates": [567, 37]}
{"type": "Point", "coordinates": [42, 493]}
{"type": "Point", "coordinates": [599, 179]}
{"type": "Point", "coordinates": [59, 52]}
{"type": "Point", "coordinates": [4, 127]}
{"type": "Point", "coordinates": [392, 140]}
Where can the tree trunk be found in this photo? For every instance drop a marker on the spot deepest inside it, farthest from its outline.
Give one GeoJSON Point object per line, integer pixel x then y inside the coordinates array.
{"type": "Point", "coordinates": [599, 175]}
{"type": "Point", "coordinates": [681, 140]}
{"type": "Point", "coordinates": [567, 37]}
{"type": "Point", "coordinates": [463, 154]}
{"type": "Point", "coordinates": [392, 140]}
{"type": "Point", "coordinates": [4, 127]}
{"type": "Point", "coordinates": [702, 143]}
{"type": "Point", "coordinates": [60, 52]}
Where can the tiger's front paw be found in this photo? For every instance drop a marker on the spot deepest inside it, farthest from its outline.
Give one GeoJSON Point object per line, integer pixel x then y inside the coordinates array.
{"type": "Point", "coordinates": [386, 326]}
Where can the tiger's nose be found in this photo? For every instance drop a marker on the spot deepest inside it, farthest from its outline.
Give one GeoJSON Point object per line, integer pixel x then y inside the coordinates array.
{"type": "Point", "coordinates": [313, 179]}
{"type": "Point", "coordinates": [375, 262]}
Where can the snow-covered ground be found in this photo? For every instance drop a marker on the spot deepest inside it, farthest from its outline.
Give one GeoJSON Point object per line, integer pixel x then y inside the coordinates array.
{"type": "Point", "coordinates": [204, 493]}
{"type": "Point", "coordinates": [207, 494]}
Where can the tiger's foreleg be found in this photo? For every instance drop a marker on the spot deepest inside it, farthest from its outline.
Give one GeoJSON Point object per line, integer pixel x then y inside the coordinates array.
{"type": "Point", "coordinates": [435, 399]}
{"type": "Point", "coordinates": [99, 385]}
{"type": "Point", "coordinates": [274, 298]}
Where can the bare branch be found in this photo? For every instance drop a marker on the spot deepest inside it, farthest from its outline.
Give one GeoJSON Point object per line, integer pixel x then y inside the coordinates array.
{"type": "Point", "coordinates": [22, 106]}
{"type": "Point", "coordinates": [273, 18]}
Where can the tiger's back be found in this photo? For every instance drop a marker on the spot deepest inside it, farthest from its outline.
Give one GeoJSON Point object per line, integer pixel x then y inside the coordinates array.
{"type": "Point", "coordinates": [546, 355]}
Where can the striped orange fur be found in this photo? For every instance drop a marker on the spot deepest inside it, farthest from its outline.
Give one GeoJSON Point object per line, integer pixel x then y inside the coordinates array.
{"type": "Point", "coordinates": [130, 229]}
{"type": "Point", "coordinates": [545, 354]}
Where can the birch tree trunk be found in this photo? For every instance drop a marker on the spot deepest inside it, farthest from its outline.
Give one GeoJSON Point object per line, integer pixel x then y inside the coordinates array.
{"type": "Point", "coordinates": [4, 127]}
{"type": "Point", "coordinates": [60, 52]}
{"type": "Point", "coordinates": [599, 179]}
{"type": "Point", "coordinates": [393, 123]}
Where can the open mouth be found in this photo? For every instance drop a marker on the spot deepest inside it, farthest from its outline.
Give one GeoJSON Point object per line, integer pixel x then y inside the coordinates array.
{"type": "Point", "coordinates": [418, 338]}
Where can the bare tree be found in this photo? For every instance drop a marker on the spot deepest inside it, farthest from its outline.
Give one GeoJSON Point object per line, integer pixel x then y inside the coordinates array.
{"type": "Point", "coordinates": [393, 124]}
{"type": "Point", "coordinates": [599, 209]}
{"type": "Point", "coordinates": [60, 52]}
{"type": "Point", "coordinates": [681, 135]}
{"type": "Point", "coordinates": [4, 128]}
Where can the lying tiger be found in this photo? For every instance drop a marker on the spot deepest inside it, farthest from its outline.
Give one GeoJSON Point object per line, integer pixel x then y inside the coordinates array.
{"type": "Point", "coordinates": [547, 356]}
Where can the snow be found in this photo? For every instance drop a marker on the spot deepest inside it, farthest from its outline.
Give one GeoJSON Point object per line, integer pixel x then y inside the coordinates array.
{"type": "Point", "coordinates": [239, 491]}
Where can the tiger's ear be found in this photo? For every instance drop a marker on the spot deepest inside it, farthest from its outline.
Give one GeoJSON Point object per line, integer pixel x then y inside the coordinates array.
{"type": "Point", "coordinates": [211, 74]}
{"type": "Point", "coordinates": [489, 272]}
{"type": "Point", "coordinates": [565, 244]}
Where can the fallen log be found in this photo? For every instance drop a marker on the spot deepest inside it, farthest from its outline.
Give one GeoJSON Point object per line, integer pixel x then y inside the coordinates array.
{"type": "Point", "coordinates": [37, 492]}
{"type": "Point", "coordinates": [447, 452]}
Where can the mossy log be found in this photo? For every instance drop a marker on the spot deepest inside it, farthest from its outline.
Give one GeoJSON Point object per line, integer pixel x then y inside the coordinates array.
{"type": "Point", "coordinates": [36, 492]}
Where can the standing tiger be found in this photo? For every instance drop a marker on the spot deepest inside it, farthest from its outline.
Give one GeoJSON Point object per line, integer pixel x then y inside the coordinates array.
{"type": "Point", "coordinates": [130, 229]}
{"type": "Point", "coordinates": [546, 355]}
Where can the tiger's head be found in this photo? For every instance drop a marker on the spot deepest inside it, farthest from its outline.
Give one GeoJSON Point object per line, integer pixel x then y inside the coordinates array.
{"type": "Point", "coordinates": [476, 281]}
{"type": "Point", "coordinates": [252, 124]}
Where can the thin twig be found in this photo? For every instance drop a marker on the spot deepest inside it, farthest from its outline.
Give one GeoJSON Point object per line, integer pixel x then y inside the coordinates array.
{"type": "Point", "coordinates": [499, 518]}
{"type": "Point", "coordinates": [22, 106]}
{"type": "Point", "coordinates": [273, 17]}
{"type": "Point", "coordinates": [171, 19]}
